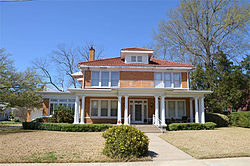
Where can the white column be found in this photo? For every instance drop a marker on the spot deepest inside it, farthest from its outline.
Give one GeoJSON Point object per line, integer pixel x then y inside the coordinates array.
{"type": "Point", "coordinates": [119, 113]}
{"type": "Point", "coordinates": [82, 110]}
{"type": "Point", "coordinates": [77, 105]}
{"type": "Point", "coordinates": [126, 111]}
{"type": "Point", "coordinates": [163, 115]}
{"type": "Point", "coordinates": [157, 110]}
{"type": "Point", "coordinates": [191, 110]}
{"type": "Point", "coordinates": [202, 110]}
{"type": "Point", "coordinates": [196, 110]}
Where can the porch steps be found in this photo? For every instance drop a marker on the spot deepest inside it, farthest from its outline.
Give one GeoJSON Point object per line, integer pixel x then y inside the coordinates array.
{"type": "Point", "coordinates": [148, 128]}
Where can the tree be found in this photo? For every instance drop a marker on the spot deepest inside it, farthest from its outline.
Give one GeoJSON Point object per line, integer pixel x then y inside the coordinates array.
{"type": "Point", "coordinates": [198, 29]}
{"type": "Point", "coordinates": [18, 89]}
{"type": "Point", "coordinates": [229, 83]}
{"type": "Point", "coordinates": [57, 69]}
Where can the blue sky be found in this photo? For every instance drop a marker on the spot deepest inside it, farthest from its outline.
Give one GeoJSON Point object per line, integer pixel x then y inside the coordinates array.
{"type": "Point", "coordinates": [33, 29]}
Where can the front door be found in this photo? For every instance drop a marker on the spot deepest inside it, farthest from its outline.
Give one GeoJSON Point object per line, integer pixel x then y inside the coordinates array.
{"type": "Point", "coordinates": [138, 110]}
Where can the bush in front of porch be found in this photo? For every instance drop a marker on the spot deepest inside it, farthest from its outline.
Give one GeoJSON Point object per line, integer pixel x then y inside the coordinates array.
{"type": "Point", "coordinates": [192, 126]}
{"type": "Point", "coordinates": [66, 127]}
{"type": "Point", "coordinates": [125, 142]}
{"type": "Point", "coordinates": [219, 119]}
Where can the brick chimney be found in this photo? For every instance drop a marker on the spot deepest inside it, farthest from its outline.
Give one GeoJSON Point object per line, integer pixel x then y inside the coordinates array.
{"type": "Point", "coordinates": [91, 54]}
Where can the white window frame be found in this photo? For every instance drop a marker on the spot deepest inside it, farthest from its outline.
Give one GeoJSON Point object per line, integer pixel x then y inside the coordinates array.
{"type": "Point", "coordinates": [58, 103]}
{"type": "Point", "coordinates": [171, 80]}
{"type": "Point", "coordinates": [99, 109]}
{"type": "Point", "coordinates": [176, 109]}
{"type": "Point", "coordinates": [100, 78]}
{"type": "Point", "coordinates": [179, 80]}
{"type": "Point", "coordinates": [135, 60]}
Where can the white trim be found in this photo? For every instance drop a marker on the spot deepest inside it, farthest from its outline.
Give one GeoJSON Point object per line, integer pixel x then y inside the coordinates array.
{"type": "Point", "coordinates": [191, 110]}
{"type": "Point", "coordinates": [196, 109]}
{"type": "Point", "coordinates": [82, 110]}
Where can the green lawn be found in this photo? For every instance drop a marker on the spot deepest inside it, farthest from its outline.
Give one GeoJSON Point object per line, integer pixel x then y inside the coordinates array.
{"type": "Point", "coordinates": [218, 143]}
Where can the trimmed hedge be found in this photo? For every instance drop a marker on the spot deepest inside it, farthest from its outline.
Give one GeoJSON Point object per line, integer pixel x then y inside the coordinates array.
{"type": "Point", "coordinates": [219, 119]}
{"type": "Point", "coordinates": [125, 142]}
{"type": "Point", "coordinates": [66, 127]}
{"type": "Point", "coordinates": [192, 126]}
{"type": "Point", "coordinates": [240, 119]}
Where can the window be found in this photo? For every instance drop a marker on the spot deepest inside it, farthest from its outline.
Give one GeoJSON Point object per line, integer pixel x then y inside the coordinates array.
{"type": "Point", "coordinates": [171, 109]}
{"type": "Point", "coordinates": [114, 78]}
{"type": "Point", "coordinates": [70, 103]}
{"type": "Point", "coordinates": [133, 58]}
{"type": "Point", "coordinates": [158, 80]}
{"type": "Point", "coordinates": [103, 108]}
{"type": "Point", "coordinates": [104, 79]}
{"type": "Point", "coordinates": [114, 106]}
{"type": "Point", "coordinates": [139, 58]}
{"type": "Point", "coordinates": [175, 109]}
{"type": "Point", "coordinates": [95, 78]}
{"type": "Point", "coordinates": [167, 80]}
{"type": "Point", "coordinates": [181, 108]}
{"type": "Point", "coordinates": [177, 80]}
{"type": "Point", "coordinates": [94, 108]}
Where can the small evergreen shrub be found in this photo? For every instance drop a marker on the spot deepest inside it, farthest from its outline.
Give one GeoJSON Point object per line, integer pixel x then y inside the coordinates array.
{"type": "Point", "coordinates": [66, 127]}
{"type": "Point", "coordinates": [125, 142]}
{"type": "Point", "coordinates": [240, 119]}
{"type": "Point", "coordinates": [191, 126]}
{"type": "Point", "coordinates": [219, 119]}
{"type": "Point", "coordinates": [62, 115]}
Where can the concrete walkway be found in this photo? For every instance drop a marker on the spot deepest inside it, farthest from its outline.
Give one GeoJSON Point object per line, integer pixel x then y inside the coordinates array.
{"type": "Point", "coordinates": [160, 150]}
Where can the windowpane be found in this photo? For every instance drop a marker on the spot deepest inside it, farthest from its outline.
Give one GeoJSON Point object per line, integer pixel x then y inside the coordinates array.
{"type": "Point", "coordinates": [104, 107]}
{"type": "Point", "coordinates": [181, 108]}
{"type": "Point", "coordinates": [53, 100]}
{"type": "Point", "coordinates": [133, 58]}
{"type": "Point", "coordinates": [71, 100]}
{"type": "Point", "coordinates": [139, 59]}
{"type": "Point", "coordinates": [171, 109]}
{"type": "Point", "coordinates": [95, 78]}
{"type": "Point", "coordinates": [94, 108]}
{"type": "Point", "coordinates": [167, 79]}
{"type": "Point", "coordinates": [114, 78]}
{"type": "Point", "coordinates": [114, 107]}
{"type": "Point", "coordinates": [105, 79]}
{"type": "Point", "coordinates": [158, 76]}
{"type": "Point", "coordinates": [177, 79]}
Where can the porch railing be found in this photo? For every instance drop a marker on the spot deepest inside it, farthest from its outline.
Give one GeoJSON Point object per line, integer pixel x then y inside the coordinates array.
{"type": "Point", "coordinates": [158, 123]}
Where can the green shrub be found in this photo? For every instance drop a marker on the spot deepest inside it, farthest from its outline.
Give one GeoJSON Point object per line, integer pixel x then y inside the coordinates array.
{"type": "Point", "coordinates": [210, 125]}
{"type": "Point", "coordinates": [66, 127]}
{"type": "Point", "coordinates": [191, 126]}
{"type": "Point", "coordinates": [219, 119]}
{"type": "Point", "coordinates": [241, 119]}
{"type": "Point", "coordinates": [62, 115]}
{"type": "Point", "coordinates": [125, 142]}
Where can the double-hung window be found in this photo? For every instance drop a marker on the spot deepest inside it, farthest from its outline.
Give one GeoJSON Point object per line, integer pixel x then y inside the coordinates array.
{"type": "Point", "coordinates": [139, 58]}
{"type": "Point", "coordinates": [158, 80]}
{"type": "Point", "coordinates": [104, 79]}
{"type": "Point", "coordinates": [104, 107]}
{"type": "Point", "coordinates": [95, 78]}
{"type": "Point", "coordinates": [94, 108]}
{"type": "Point", "coordinates": [167, 80]}
{"type": "Point", "coordinates": [177, 80]}
{"type": "Point", "coordinates": [133, 58]}
{"type": "Point", "coordinates": [114, 107]}
{"type": "Point", "coordinates": [114, 78]}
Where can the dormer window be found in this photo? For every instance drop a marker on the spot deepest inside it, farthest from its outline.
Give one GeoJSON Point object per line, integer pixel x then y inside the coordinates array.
{"type": "Point", "coordinates": [133, 58]}
{"type": "Point", "coordinates": [139, 58]}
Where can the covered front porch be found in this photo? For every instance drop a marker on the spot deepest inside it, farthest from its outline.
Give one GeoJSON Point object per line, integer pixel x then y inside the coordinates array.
{"type": "Point", "coordinates": [138, 106]}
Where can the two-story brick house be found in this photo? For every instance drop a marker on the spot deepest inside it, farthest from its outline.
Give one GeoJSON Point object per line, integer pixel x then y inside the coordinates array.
{"type": "Point", "coordinates": [131, 88]}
